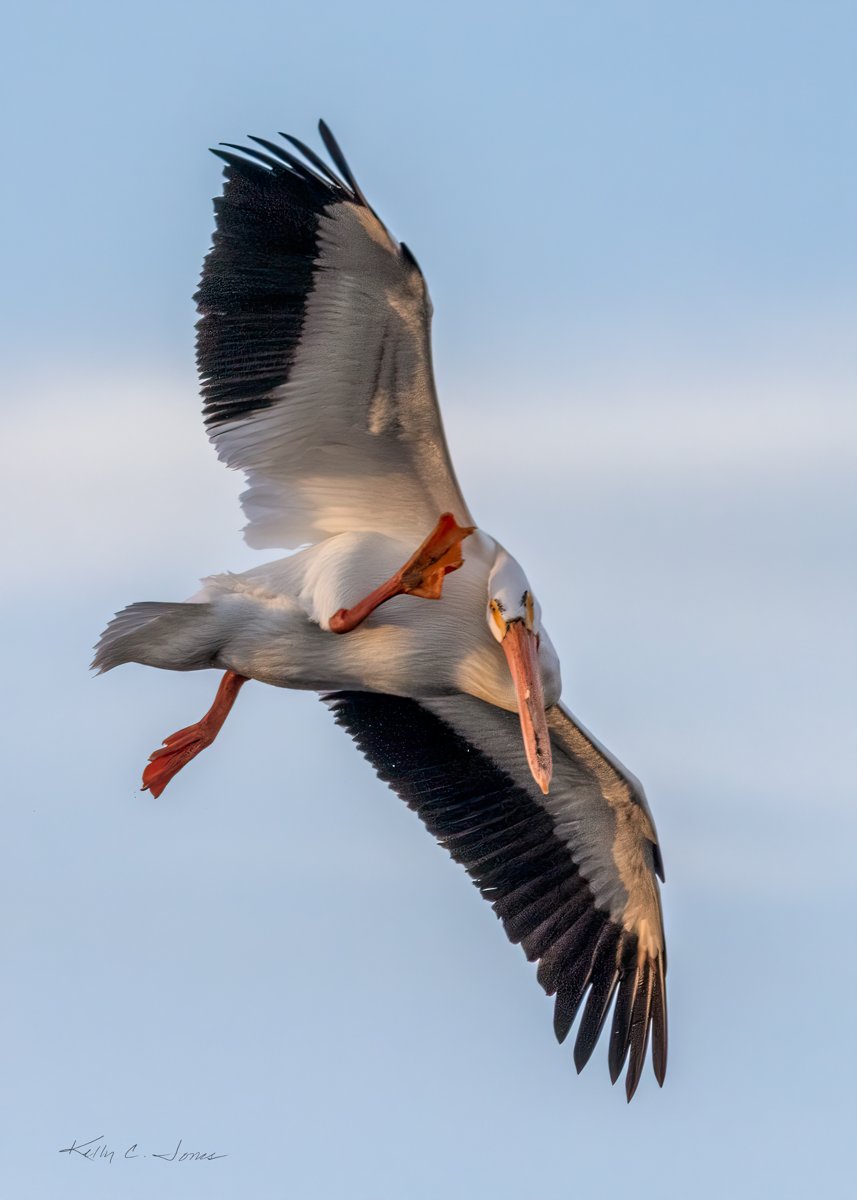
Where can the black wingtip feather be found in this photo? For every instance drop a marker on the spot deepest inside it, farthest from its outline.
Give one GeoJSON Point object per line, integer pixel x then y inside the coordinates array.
{"type": "Point", "coordinates": [659, 1023]}
{"type": "Point", "coordinates": [256, 279]}
{"type": "Point", "coordinates": [257, 155]}
{"type": "Point", "coordinates": [568, 998]}
{"type": "Point", "coordinates": [622, 1012]}
{"type": "Point", "coordinates": [286, 158]}
{"type": "Point", "coordinates": [605, 977]}
{"type": "Point", "coordinates": [333, 149]}
{"type": "Point", "coordinates": [639, 1032]}
{"type": "Point", "coordinates": [316, 160]}
{"type": "Point", "coordinates": [242, 165]}
{"type": "Point", "coordinates": [578, 972]}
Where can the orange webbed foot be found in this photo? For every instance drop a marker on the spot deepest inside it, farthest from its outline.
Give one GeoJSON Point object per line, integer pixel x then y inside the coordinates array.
{"type": "Point", "coordinates": [177, 751]}
{"type": "Point", "coordinates": [422, 575]}
{"type": "Point", "coordinates": [180, 747]}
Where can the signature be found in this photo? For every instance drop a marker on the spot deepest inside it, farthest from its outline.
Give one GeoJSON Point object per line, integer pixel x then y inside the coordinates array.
{"type": "Point", "coordinates": [97, 1150]}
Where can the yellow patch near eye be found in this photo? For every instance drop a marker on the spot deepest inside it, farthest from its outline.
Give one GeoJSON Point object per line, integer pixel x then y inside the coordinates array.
{"type": "Point", "coordinates": [497, 618]}
{"type": "Point", "coordinates": [531, 616]}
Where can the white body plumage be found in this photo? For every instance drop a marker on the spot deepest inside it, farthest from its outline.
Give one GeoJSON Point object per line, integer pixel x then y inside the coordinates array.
{"type": "Point", "coordinates": [272, 623]}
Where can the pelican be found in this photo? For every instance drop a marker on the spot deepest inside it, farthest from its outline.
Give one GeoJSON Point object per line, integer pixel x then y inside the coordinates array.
{"type": "Point", "coordinates": [420, 631]}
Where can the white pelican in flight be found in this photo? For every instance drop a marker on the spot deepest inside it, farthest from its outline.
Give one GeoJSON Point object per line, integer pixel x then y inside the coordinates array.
{"type": "Point", "coordinates": [421, 632]}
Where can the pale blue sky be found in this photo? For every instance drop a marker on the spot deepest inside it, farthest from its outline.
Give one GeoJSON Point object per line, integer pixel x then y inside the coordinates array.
{"type": "Point", "coordinates": [638, 225]}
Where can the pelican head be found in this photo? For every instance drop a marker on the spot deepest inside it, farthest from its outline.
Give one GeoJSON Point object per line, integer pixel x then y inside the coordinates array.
{"type": "Point", "coordinates": [514, 618]}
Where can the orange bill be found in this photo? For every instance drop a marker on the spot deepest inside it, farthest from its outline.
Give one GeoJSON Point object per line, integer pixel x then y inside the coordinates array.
{"type": "Point", "coordinates": [521, 648]}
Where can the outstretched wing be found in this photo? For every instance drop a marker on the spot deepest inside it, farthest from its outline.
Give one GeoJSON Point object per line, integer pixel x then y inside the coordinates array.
{"type": "Point", "coordinates": [571, 874]}
{"type": "Point", "coordinates": [314, 355]}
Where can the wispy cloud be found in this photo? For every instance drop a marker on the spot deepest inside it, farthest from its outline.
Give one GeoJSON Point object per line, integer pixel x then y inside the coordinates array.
{"type": "Point", "coordinates": [112, 466]}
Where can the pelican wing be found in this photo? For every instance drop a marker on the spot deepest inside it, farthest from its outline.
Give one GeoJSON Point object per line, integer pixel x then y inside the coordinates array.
{"type": "Point", "coordinates": [314, 354]}
{"type": "Point", "coordinates": [571, 874]}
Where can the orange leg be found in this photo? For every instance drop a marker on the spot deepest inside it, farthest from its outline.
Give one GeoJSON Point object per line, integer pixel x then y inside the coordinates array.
{"type": "Point", "coordinates": [179, 748]}
{"type": "Point", "coordinates": [422, 575]}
